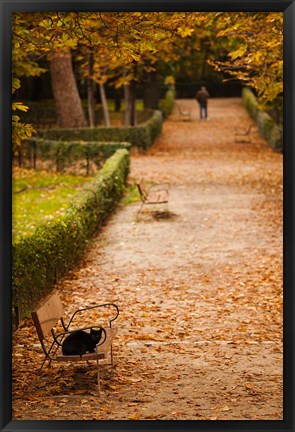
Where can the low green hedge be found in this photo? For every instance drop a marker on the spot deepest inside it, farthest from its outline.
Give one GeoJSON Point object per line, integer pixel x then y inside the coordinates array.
{"type": "Point", "coordinates": [62, 154]}
{"type": "Point", "coordinates": [42, 114]}
{"type": "Point", "coordinates": [267, 127]}
{"type": "Point", "coordinates": [141, 136]}
{"type": "Point", "coordinates": [166, 105]}
{"type": "Point", "coordinates": [40, 260]}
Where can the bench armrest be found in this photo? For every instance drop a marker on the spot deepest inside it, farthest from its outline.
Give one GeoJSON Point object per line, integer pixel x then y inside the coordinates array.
{"type": "Point", "coordinates": [93, 307]}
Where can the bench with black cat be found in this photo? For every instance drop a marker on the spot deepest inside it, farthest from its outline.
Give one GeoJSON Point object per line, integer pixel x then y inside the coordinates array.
{"type": "Point", "coordinates": [88, 343]}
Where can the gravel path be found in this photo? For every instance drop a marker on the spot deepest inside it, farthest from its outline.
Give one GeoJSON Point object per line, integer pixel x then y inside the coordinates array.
{"type": "Point", "coordinates": [200, 291]}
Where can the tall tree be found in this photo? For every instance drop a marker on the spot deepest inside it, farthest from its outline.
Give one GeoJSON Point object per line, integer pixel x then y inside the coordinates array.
{"type": "Point", "coordinates": [91, 89]}
{"type": "Point", "coordinates": [69, 108]}
{"type": "Point", "coordinates": [151, 92]}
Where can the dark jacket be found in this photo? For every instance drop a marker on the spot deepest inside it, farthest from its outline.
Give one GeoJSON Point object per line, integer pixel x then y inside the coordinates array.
{"type": "Point", "coordinates": [202, 95]}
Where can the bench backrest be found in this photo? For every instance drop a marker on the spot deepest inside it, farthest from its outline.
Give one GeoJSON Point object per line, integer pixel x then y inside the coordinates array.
{"type": "Point", "coordinates": [47, 315]}
{"type": "Point", "coordinates": [183, 112]}
{"type": "Point", "coordinates": [142, 190]}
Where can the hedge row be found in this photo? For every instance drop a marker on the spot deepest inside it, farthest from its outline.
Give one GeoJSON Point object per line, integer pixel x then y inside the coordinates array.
{"type": "Point", "coordinates": [141, 136]}
{"type": "Point", "coordinates": [42, 114]}
{"type": "Point", "coordinates": [41, 259]}
{"type": "Point", "coordinates": [167, 104]}
{"type": "Point", "coordinates": [63, 154]}
{"type": "Point", "coordinates": [267, 127]}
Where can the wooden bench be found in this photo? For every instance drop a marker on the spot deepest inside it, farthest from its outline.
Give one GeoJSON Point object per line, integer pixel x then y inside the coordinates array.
{"type": "Point", "coordinates": [243, 134]}
{"type": "Point", "coordinates": [154, 194]}
{"type": "Point", "coordinates": [184, 113]}
{"type": "Point", "coordinates": [50, 314]}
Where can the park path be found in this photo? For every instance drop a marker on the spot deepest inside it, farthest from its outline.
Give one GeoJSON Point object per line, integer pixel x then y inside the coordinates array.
{"type": "Point", "coordinates": [200, 292]}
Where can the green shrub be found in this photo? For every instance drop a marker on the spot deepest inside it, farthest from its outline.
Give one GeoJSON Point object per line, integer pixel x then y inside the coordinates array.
{"type": "Point", "coordinates": [267, 127]}
{"type": "Point", "coordinates": [141, 136]}
{"type": "Point", "coordinates": [63, 153]}
{"type": "Point", "coordinates": [250, 102]}
{"type": "Point", "coordinates": [42, 114]}
{"type": "Point", "coordinates": [167, 104]}
{"type": "Point", "coordinates": [40, 260]}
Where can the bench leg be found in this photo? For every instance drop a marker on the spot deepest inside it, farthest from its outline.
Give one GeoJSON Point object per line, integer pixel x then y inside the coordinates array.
{"type": "Point", "coordinates": [139, 210]}
{"type": "Point", "coordinates": [112, 356]}
{"type": "Point", "coordinates": [98, 377]}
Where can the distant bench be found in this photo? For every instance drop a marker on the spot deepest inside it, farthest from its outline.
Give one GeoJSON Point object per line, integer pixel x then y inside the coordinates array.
{"type": "Point", "coordinates": [154, 194]}
{"type": "Point", "coordinates": [185, 114]}
{"type": "Point", "coordinates": [243, 134]}
{"type": "Point", "coordinates": [50, 313]}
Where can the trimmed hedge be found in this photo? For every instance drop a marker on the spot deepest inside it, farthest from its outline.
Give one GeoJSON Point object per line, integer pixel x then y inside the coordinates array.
{"type": "Point", "coordinates": [42, 114]}
{"type": "Point", "coordinates": [41, 259]}
{"type": "Point", "coordinates": [141, 136]}
{"type": "Point", "coordinates": [167, 104]}
{"type": "Point", "coordinates": [62, 153]}
{"type": "Point", "coordinates": [267, 127]}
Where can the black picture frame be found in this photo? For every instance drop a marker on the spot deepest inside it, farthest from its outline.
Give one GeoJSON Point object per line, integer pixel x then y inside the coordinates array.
{"type": "Point", "coordinates": [10, 6]}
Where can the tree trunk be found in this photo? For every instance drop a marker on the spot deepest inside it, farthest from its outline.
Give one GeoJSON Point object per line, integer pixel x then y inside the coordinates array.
{"type": "Point", "coordinates": [151, 94]}
{"type": "Point", "coordinates": [130, 99]}
{"type": "Point", "coordinates": [69, 109]}
{"type": "Point", "coordinates": [90, 91]}
{"type": "Point", "coordinates": [105, 107]}
{"type": "Point", "coordinates": [117, 100]}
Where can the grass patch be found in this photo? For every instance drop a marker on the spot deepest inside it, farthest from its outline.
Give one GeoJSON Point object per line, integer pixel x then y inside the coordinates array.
{"type": "Point", "coordinates": [131, 195]}
{"type": "Point", "coordinates": [38, 197]}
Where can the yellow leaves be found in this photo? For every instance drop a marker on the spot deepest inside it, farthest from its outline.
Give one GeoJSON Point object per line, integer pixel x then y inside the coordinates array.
{"type": "Point", "coordinates": [19, 106]}
{"type": "Point", "coordinates": [15, 84]}
{"type": "Point", "coordinates": [46, 23]}
{"type": "Point", "coordinates": [169, 80]}
{"type": "Point", "coordinates": [124, 80]}
{"type": "Point", "coordinates": [239, 52]}
{"type": "Point", "coordinates": [254, 44]}
{"type": "Point", "coordinates": [136, 416]}
{"type": "Point", "coordinates": [185, 32]}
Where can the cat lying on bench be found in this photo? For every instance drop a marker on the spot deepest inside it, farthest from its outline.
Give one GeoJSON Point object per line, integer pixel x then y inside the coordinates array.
{"type": "Point", "coordinates": [80, 342]}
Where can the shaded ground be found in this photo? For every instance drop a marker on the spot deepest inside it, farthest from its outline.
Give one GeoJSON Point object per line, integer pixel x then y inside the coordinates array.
{"type": "Point", "coordinates": [200, 292]}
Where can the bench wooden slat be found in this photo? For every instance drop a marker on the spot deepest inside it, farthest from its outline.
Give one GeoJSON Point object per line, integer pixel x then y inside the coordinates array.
{"type": "Point", "coordinates": [47, 315]}
{"type": "Point", "coordinates": [157, 198]}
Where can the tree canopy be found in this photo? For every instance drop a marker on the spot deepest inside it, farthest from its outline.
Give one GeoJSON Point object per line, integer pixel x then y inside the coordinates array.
{"type": "Point", "coordinates": [254, 50]}
{"type": "Point", "coordinates": [247, 46]}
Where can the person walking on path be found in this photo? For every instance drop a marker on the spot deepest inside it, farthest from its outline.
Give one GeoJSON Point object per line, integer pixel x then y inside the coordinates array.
{"type": "Point", "coordinates": [202, 97]}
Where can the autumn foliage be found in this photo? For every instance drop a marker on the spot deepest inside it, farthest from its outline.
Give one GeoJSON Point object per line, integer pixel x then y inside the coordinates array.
{"type": "Point", "coordinates": [120, 47]}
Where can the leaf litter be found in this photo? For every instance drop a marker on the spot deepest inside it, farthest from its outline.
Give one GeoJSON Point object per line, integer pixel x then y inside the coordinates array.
{"type": "Point", "coordinates": [200, 291]}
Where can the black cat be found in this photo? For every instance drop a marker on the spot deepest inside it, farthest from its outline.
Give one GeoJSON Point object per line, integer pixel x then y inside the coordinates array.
{"type": "Point", "coordinates": [80, 342]}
